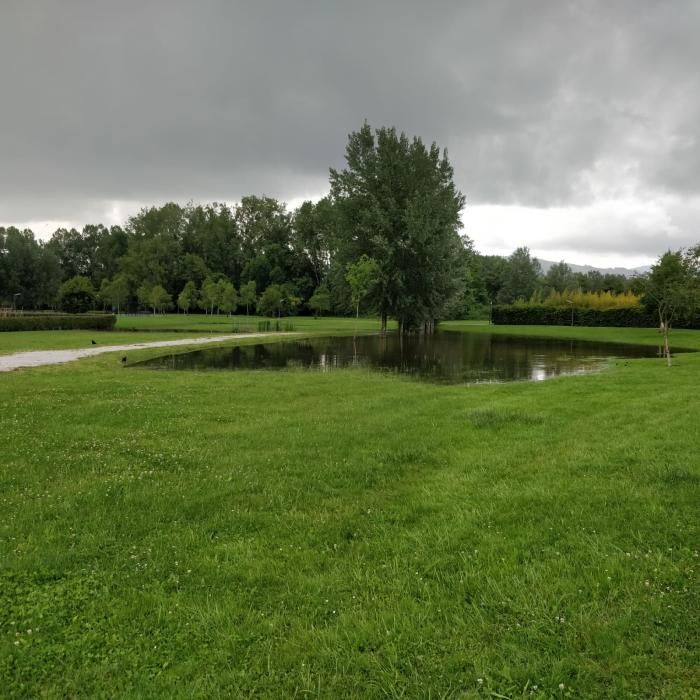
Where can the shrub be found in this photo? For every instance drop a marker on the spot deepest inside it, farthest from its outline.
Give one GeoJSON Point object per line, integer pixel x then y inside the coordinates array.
{"type": "Point", "coordinates": [524, 314]}
{"type": "Point", "coordinates": [77, 295]}
{"type": "Point", "coordinates": [58, 322]}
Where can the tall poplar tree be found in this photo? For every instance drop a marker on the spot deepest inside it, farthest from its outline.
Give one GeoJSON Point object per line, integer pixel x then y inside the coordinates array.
{"type": "Point", "coordinates": [396, 202]}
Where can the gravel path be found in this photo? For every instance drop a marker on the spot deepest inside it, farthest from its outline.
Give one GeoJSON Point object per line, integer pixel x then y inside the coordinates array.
{"type": "Point", "coordinates": [37, 358]}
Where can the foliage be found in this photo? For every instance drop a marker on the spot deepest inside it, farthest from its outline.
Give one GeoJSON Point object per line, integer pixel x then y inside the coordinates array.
{"type": "Point", "coordinates": [270, 301]}
{"type": "Point", "coordinates": [363, 277]}
{"type": "Point", "coordinates": [247, 295]}
{"type": "Point", "coordinates": [115, 292]}
{"type": "Point", "coordinates": [159, 298]}
{"type": "Point", "coordinates": [396, 203]}
{"type": "Point", "coordinates": [673, 291]}
{"type": "Point", "coordinates": [587, 300]}
{"type": "Point", "coordinates": [544, 315]}
{"type": "Point", "coordinates": [76, 295]}
{"type": "Point", "coordinates": [226, 296]}
{"type": "Point", "coordinates": [320, 300]}
{"type": "Point", "coordinates": [522, 274]}
{"type": "Point", "coordinates": [559, 278]}
{"type": "Point", "coordinates": [30, 273]}
{"type": "Point", "coordinates": [188, 297]}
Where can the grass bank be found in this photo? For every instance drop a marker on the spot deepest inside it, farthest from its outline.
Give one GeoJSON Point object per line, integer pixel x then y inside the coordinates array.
{"type": "Point", "coordinates": [348, 534]}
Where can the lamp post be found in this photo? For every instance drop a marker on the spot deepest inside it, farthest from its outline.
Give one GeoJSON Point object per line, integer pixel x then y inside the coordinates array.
{"type": "Point", "coordinates": [571, 303]}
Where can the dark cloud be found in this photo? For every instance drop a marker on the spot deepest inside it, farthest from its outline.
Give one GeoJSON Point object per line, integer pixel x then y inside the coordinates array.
{"type": "Point", "coordinates": [556, 103]}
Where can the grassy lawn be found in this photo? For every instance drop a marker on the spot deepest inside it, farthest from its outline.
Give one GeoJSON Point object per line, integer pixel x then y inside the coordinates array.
{"type": "Point", "coordinates": [347, 534]}
{"type": "Point", "coordinates": [146, 328]}
{"type": "Point", "coordinates": [224, 324]}
{"type": "Point", "coordinates": [22, 341]}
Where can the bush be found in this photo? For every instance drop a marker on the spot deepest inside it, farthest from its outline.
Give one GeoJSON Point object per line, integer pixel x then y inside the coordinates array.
{"type": "Point", "coordinates": [541, 315]}
{"type": "Point", "coordinates": [58, 322]}
{"type": "Point", "coordinates": [77, 295]}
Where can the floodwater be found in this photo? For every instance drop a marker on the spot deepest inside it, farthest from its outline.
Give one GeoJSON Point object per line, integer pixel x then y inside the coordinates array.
{"type": "Point", "coordinates": [444, 357]}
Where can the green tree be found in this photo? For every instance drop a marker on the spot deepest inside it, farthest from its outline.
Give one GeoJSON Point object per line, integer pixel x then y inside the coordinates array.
{"type": "Point", "coordinates": [396, 202]}
{"type": "Point", "coordinates": [362, 276]}
{"type": "Point", "coordinates": [522, 275]}
{"type": "Point", "coordinates": [143, 294]}
{"type": "Point", "coordinates": [188, 297]}
{"type": "Point", "coordinates": [320, 300]}
{"type": "Point", "coordinates": [159, 298]}
{"type": "Point", "coordinates": [226, 297]}
{"type": "Point", "coordinates": [209, 295]}
{"type": "Point", "coordinates": [248, 295]}
{"type": "Point", "coordinates": [115, 292]}
{"type": "Point", "coordinates": [559, 278]}
{"type": "Point", "coordinates": [673, 290]}
{"type": "Point", "coordinates": [77, 295]}
{"type": "Point", "coordinates": [270, 301]}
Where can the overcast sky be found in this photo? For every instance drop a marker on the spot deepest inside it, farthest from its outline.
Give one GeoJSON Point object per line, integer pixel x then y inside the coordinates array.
{"type": "Point", "coordinates": [572, 125]}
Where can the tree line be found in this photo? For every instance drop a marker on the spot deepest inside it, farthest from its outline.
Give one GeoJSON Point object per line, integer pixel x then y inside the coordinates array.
{"type": "Point", "coordinates": [386, 239]}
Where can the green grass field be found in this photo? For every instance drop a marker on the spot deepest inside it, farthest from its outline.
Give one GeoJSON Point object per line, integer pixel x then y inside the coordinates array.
{"type": "Point", "coordinates": [224, 324]}
{"type": "Point", "coordinates": [295, 534]}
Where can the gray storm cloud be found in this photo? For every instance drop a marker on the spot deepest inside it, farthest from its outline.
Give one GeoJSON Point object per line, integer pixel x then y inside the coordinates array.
{"type": "Point", "coordinates": [541, 104]}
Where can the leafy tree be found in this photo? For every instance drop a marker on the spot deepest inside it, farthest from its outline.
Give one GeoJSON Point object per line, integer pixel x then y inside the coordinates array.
{"type": "Point", "coordinates": [362, 276]}
{"type": "Point", "coordinates": [673, 290]}
{"type": "Point", "coordinates": [247, 295]}
{"type": "Point", "coordinates": [188, 297]}
{"type": "Point", "coordinates": [115, 292]}
{"type": "Point", "coordinates": [143, 294]}
{"type": "Point", "coordinates": [76, 295]}
{"type": "Point", "coordinates": [312, 226]}
{"type": "Point", "coordinates": [270, 301]}
{"type": "Point", "coordinates": [209, 295]}
{"type": "Point", "coordinates": [193, 268]}
{"type": "Point", "coordinates": [159, 298]}
{"type": "Point", "coordinates": [290, 299]}
{"type": "Point", "coordinates": [396, 202]}
{"type": "Point", "coordinates": [522, 275]}
{"type": "Point", "coordinates": [559, 278]}
{"type": "Point", "coordinates": [226, 297]}
{"type": "Point", "coordinates": [29, 271]}
{"type": "Point", "coordinates": [320, 301]}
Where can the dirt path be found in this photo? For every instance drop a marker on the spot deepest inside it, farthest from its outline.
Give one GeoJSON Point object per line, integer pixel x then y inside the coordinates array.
{"type": "Point", "coordinates": [37, 358]}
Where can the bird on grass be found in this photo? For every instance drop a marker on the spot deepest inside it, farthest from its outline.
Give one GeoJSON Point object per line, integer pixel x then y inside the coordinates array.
{"type": "Point", "coordinates": [124, 360]}
{"type": "Point", "coordinates": [93, 342]}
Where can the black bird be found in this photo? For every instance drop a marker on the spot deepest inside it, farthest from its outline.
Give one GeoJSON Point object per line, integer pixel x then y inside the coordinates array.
{"type": "Point", "coordinates": [93, 342]}
{"type": "Point", "coordinates": [124, 360]}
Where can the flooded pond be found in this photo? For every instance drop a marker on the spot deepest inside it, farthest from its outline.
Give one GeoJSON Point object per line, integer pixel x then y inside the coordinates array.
{"type": "Point", "coordinates": [445, 357]}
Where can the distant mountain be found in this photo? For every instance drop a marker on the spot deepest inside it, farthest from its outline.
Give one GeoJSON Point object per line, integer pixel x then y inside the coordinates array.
{"type": "Point", "coordinates": [626, 271]}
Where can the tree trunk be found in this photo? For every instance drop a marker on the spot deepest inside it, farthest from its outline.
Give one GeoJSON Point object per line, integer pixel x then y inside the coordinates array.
{"type": "Point", "coordinates": [664, 328]}
{"type": "Point", "coordinates": [667, 348]}
{"type": "Point", "coordinates": [383, 321]}
{"type": "Point", "coordinates": [357, 310]}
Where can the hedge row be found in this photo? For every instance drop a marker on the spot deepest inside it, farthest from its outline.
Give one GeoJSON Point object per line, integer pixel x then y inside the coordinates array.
{"type": "Point", "coordinates": [536, 315]}
{"type": "Point", "coordinates": [58, 322]}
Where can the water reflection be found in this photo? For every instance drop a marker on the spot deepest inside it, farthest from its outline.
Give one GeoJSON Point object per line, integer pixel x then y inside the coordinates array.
{"type": "Point", "coordinates": [447, 357]}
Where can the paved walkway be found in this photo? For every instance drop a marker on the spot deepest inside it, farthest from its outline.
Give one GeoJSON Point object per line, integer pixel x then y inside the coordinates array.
{"type": "Point", "coordinates": [37, 358]}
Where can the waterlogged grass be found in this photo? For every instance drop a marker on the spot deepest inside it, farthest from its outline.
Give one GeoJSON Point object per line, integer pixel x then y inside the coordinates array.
{"type": "Point", "coordinates": [348, 534]}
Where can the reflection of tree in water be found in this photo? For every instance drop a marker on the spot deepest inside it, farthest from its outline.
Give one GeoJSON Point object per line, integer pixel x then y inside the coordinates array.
{"type": "Point", "coordinates": [445, 357]}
